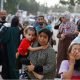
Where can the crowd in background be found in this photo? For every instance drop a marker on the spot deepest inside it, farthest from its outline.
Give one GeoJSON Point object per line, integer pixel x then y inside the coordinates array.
{"type": "Point", "coordinates": [27, 51]}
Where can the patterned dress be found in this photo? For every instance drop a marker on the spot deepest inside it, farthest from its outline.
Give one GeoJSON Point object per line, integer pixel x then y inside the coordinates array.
{"type": "Point", "coordinates": [68, 30]}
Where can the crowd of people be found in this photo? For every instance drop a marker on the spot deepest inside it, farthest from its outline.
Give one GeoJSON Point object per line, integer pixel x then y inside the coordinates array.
{"type": "Point", "coordinates": [26, 51]}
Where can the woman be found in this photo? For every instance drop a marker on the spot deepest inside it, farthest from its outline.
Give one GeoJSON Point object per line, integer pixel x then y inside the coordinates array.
{"type": "Point", "coordinates": [43, 61]}
{"type": "Point", "coordinates": [67, 32]}
{"type": "Point", "coordinates": [11, 37]}
{"type": "Point", "coordinates": [70, 68]}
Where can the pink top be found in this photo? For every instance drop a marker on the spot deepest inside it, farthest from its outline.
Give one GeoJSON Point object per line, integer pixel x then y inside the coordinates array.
{"type": "Point", "coordinates": [64, 68]}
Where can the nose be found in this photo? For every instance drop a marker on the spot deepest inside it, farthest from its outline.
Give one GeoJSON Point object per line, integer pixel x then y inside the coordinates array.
{"type": "Point", "coordinates": [42, 38]}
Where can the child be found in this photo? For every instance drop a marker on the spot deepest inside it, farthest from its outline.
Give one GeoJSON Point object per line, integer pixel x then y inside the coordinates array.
{"type": "Point", "coordinates": [70, 68]}
{"type": "Point", "coordinates": [25, 47]}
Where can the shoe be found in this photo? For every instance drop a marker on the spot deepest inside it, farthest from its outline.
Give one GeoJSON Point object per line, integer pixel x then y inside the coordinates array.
{"type": "Point", "coordinates": [24, 76]}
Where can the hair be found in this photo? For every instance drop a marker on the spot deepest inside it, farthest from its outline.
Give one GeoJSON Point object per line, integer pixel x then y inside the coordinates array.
{"type": "Point", "coordinates": [78, 24]}
{"type": "Point", "coordinates": [31, 29]}
{"type": "Point", "coordinates": [15, 21]}
{"type": "Point", "coordinates": [77, 63]}
{"type": "Point", "coordinates": [41, 16]}
{"type": "Point", "coordinates": [47, 32]}
{"type": "Point", "coordinates": [3, 18]}
{"type": "Point", "coordinates": [60, 19]}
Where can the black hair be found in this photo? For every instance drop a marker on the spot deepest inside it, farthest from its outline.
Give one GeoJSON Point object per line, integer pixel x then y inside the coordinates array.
{"type": "Point", "coordinates": [46, 31]}
{"type": "Point", "coordinates": [3, 18]}
{"type": "Point", "coordinates": [78, 25]}
{"type": "Point", "coordinates": [15, 22]}
{"type": "Point", "coordinates": [41, 16]}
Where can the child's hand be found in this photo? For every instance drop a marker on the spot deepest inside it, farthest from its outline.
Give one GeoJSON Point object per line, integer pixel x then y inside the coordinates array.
{"type": "Point", "coordinates": [26, 53]}
{"type": "Point", "coordinates": [17, 54]}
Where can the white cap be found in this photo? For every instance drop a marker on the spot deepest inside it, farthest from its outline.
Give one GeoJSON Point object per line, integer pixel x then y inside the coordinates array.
{"type": "Point", "coordinates": [76, 40]}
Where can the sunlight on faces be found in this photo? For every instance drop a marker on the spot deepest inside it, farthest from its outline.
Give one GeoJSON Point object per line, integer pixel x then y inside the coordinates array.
{"type": "Point", "coordinates": [43, 38]}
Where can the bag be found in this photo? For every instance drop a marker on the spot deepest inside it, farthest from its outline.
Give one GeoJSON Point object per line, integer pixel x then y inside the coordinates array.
{"type": "Point", "coordinates": [52, 42]}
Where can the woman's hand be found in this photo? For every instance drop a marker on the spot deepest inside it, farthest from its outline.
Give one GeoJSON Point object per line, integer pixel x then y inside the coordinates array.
{"type": "Point", "coordinates": [38, 76]}
{"type": "Point", "coordinates": [72, 57]}
{"type": "Point", "coordinates": [62, 36]}
{"type": "Point", "coordinates": [30, 67]}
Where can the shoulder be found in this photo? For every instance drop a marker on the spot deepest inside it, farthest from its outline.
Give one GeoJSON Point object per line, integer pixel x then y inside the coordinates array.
{"type": "Point", "coordinates": [50, 50]}
{"type": "Point", "coordinates": [65, 62]}
{"type": "Point", "coordinates": [64, 66]}
{"type": "Point", "coordinates": [24, 40]}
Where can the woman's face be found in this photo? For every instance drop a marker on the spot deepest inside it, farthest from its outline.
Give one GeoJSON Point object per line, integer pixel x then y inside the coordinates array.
{"type": "Point", "coordinates": [76, 50]}
{"type": "Point", "coordinates": [42, 39]}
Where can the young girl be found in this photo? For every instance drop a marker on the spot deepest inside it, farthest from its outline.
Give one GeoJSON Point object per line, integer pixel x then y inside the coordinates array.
{"type": "Point", "coordinates": [70, 68]}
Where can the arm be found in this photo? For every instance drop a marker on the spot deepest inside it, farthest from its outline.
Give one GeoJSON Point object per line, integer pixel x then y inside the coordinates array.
{"type": "Point", "coordinates": [37, 48]}
{"type": "Point", "coordinates": [67, 68]}
{"type": "Point", "coordinates": [17, 54]}
{"type": "Point", "coordinates": [60, 31]}
{"type": "Point", "coordinates": [50, 62]}
{"type": "Point", "coordinates": [69, 73]}
{"type": "Point", "coordinates": [38, 76]}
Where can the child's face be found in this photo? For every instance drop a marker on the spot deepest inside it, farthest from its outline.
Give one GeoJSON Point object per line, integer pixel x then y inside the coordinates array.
{"type": "Point", "coordinates": [76, 51]}
{"type": "Point", "coordinates": [30, 35]}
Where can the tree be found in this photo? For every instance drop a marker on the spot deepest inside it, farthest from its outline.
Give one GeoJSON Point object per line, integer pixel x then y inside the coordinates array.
{"type": "Point", "coordinates": [11, 6]}
{"type": "Point", "coordinates": [71, 4]}
{"type": "Point", "coordinates": [29, 5]}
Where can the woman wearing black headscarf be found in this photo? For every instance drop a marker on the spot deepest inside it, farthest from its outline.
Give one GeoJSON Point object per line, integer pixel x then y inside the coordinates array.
{"type": "Point", "coordinates": [11, 37]}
